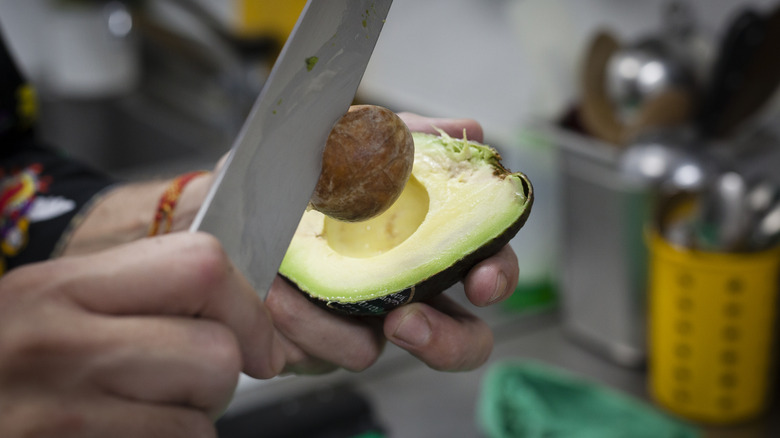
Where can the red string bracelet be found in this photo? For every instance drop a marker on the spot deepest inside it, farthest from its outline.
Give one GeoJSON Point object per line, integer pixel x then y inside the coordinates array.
{"type": "Point", "coordinates": [164, 215]}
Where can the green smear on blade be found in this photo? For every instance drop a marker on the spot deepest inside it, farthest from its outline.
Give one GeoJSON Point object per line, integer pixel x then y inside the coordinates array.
{"type": "Point", "coordinates": [311, 62]}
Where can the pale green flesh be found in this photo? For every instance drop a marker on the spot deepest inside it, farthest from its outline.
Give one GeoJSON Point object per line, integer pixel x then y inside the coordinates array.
{"type": "Point", "coordinates": [470, 201]}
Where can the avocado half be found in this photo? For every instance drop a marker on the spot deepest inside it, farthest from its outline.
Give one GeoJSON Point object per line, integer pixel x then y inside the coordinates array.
{"type": "Point", "coordinates": [459, 207]}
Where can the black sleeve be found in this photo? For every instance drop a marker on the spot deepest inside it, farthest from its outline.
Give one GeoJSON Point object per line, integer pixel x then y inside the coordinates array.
{"type": "Point", "coordinates": [42, 192]}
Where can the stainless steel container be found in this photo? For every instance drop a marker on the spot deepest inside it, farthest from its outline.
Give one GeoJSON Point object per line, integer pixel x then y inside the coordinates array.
{"type": "Point", "coordinates": [602, 250]}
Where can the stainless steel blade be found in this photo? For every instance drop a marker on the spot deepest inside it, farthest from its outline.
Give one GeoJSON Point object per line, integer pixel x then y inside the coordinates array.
{"type": "Point", "coordinates": [261, 192]}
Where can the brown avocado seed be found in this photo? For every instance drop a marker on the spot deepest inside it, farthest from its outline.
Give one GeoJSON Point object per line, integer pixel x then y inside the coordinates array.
{"type": "Point", "coordinates": [367, 161]}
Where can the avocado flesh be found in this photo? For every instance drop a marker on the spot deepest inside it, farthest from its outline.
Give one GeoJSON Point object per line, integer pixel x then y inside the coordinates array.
{"type": "Point", "coordinates": [458, 207]}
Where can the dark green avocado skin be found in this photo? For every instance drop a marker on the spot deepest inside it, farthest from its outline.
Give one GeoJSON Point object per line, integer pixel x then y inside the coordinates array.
{"type": "Point", "coordinates": [435, 284]}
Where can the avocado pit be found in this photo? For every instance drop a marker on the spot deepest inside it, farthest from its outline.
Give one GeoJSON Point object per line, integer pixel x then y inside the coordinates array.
{"type": "Point", "coordinates": [366, 163]}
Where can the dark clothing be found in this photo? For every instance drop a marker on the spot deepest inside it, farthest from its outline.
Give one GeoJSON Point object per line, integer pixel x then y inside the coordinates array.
{"type": "Point", "coordinates": [42, 192]}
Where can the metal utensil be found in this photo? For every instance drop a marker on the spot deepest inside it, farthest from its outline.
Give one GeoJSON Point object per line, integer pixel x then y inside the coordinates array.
{"type": "Point", "coordinates": [598, 113]}
{"type": "Point", "coordinates": [767, 231]}
{"type": "Point", "coordinates": [666, 109]}
{"type": "Point", "coordinates": [763, 194]}
{"type": "Point", "coordinates": [261, 192]}
{"type": "Point", "coordinates": [650, 162]}
{"type": "Point", "coordinates": [763, 203]}
{"type": "Point", "coordinates": [760, 76]}
{"type": "Point", "coordinates": [666, 161]}
{"type": "Point", "coordinates": [731, 211]}
{"type": "Point", "coordinates": [667, 61]}
{"type": "Point", "coordinates": [737, 48]}
{"type": "Point", "coordinates": [674, 218]}
{"type": "Point", "coordinates": [730, 215]}
{"type": "Point", "coordinates": [637, 73]}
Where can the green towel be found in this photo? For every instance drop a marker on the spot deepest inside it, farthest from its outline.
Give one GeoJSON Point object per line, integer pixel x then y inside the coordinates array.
{"type": "Point", "coordinates": [529, 400]}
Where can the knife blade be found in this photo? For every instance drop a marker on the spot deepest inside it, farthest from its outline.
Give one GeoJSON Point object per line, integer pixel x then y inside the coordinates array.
{"type": "Point", "coordinates": [269, 175]}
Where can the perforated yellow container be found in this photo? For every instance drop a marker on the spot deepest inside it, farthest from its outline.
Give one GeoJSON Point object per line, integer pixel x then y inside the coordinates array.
{"type": "Point", "coordinates": [711, 334]}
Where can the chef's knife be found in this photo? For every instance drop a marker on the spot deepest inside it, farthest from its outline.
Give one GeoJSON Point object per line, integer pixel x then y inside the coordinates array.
{"type": "Point", "coordinates": [261, 192]}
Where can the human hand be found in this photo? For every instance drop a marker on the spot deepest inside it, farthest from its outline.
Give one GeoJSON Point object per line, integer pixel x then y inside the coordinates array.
{"type": "Point", "coordinates": [146, 339]}
{"type": "Point", "coordinates": [439, 332]}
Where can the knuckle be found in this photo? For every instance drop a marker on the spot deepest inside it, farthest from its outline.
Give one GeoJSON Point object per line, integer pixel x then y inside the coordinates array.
{"type": "Point", "coordinates": [17, 282]}
{"type": "Point", "coordinates": [222, 349]}
{"type": "Point", "coordinates": [14, 343]}
{"type": "Point", "coordinates": [459, 356]}
{"type": "Point", "coordinates": [361, 364]}
{"type": "Point", "coordinates": [363, 359]}
{"type": "Point", "coordinates": [204, 254]}
{"type": "Point", "coordinates": [20, 343]}
{"type": "Point", "coordinates": [220, 358]}
{"type": "Point", "coordinates": [24, 419]}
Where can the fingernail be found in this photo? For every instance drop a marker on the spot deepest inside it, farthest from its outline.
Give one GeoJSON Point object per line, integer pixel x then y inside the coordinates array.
{"type": "Point", "coordinates": [414, 329]}
{"type": "Point", "coordinates": [500, 288]}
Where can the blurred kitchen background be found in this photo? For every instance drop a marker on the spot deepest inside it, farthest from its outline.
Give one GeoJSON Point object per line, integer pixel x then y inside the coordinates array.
{"type": "Point", "coordinates": [649, 265]}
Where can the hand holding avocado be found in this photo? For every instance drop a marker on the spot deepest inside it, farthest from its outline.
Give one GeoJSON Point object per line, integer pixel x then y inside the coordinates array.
{"type": "Point", "coordinates": [439, 332]}
{"type": "Point", "coordinates": [456, 206]}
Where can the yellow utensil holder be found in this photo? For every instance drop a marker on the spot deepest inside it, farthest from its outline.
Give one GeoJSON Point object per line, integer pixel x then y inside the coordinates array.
{"type": "Point", "coordinates": [711, 335]}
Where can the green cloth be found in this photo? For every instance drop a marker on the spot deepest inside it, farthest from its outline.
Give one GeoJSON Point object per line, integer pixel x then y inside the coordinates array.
{"type": "Point", "coordinates": [529, 400]}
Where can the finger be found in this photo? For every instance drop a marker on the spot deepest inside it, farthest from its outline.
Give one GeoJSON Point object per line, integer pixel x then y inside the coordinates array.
{"type": "Point", "coordinates": [494, 279]}
{"type": "Point", "coordinates": [109, 417]}
{"type": "Point", "coordinates": [171, 360]}
{"type": "Point", "coordinates": [349, 343]}
{"type": "Point", "coordinates": [145, 420]}
{"type": "Point", "coordinates": [302, 363]}
{"type": "Point", "coordinates": [221, 162]}
{"type": "Point", "coordinates": [440, 333]}
{"type": "Point", "coordinates": [453, 127]}
{"type": "Point", "coordinates": [184, 274]}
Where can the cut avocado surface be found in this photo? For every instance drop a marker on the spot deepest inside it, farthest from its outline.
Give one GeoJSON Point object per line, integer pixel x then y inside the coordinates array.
{"type": "Point", "coordinates": [459, 207]}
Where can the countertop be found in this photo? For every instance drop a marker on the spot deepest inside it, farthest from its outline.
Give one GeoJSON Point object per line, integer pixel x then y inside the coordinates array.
{"type": "Point", "coordinates": [415, 401]}
{"type": "Point", "coordinates": [410, 400]}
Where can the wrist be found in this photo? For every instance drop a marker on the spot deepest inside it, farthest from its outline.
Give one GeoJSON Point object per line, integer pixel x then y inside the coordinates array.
{"type": "Point", "coordinates": [127, 213]}
{"type": "Point", "coordinates": [190, 200]}
{"type": "Point", "coordinates": [179, 202]}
